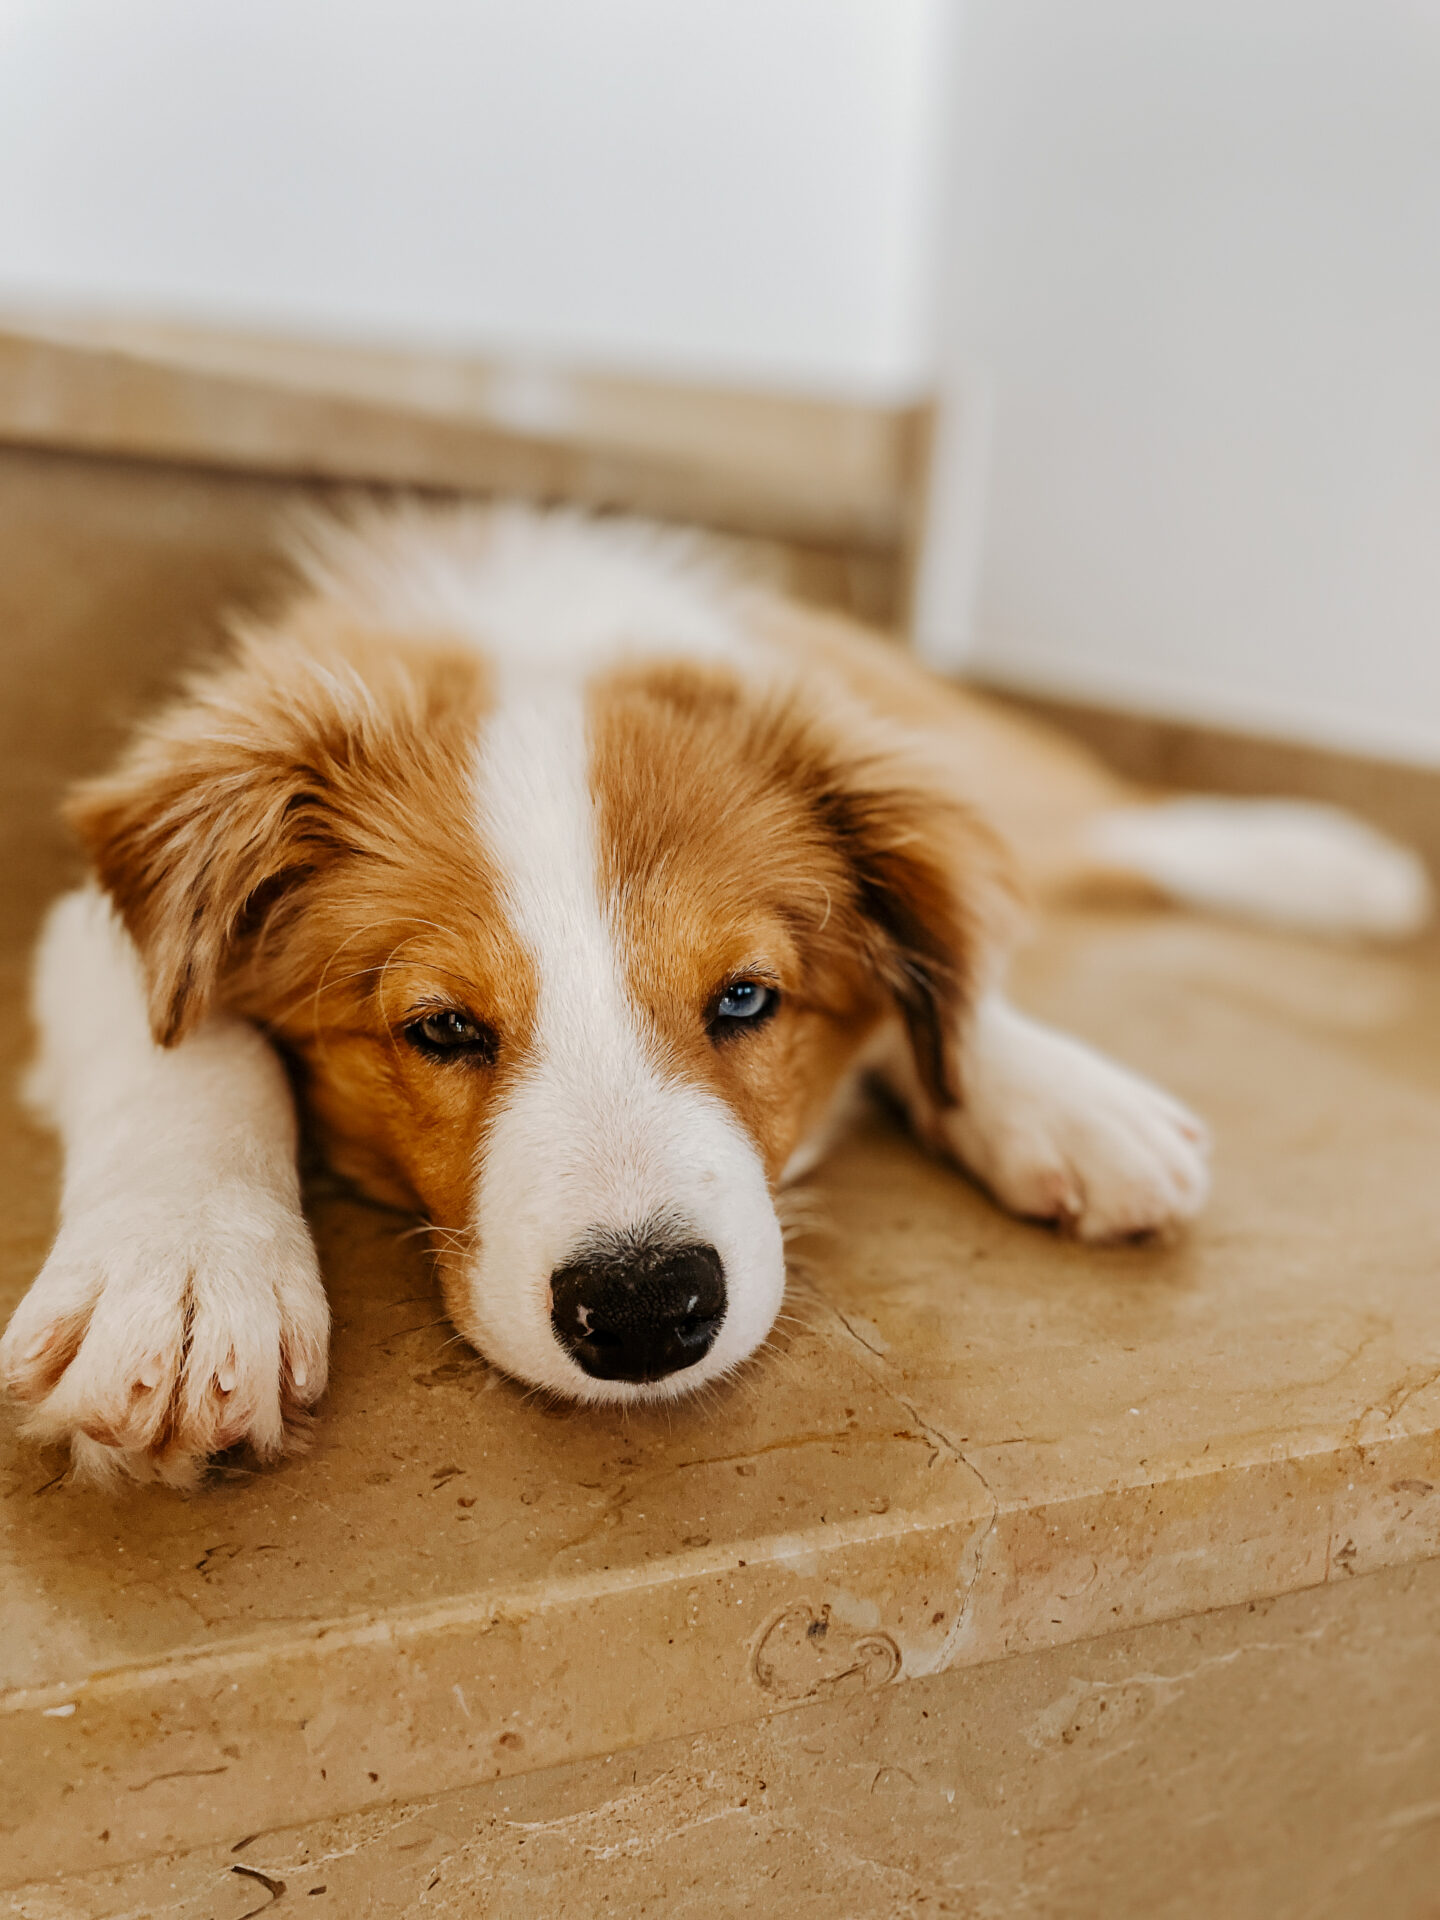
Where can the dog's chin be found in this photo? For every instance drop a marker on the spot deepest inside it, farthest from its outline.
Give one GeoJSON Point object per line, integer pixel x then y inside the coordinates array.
{"type": "Point", "coordinates": [531, 1356]}
{"type": "Point", "coordinates": [561, 1380]}
{"type": "Point", "coordinates": [584, 1390]}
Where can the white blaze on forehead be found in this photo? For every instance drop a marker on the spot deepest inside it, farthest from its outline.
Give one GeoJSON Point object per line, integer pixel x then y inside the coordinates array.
{"type": "Point", "coordinates": [537, 820]}
{"type": "Point", "coordinates": [596, 1135]}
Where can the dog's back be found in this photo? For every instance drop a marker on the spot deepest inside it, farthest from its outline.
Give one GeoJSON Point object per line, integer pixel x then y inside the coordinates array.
{"type": "Point", "coordinates": [564, 589]}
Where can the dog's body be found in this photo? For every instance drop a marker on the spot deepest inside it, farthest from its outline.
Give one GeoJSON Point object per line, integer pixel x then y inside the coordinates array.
{"type": "Point", "coordinates": [576, 882]}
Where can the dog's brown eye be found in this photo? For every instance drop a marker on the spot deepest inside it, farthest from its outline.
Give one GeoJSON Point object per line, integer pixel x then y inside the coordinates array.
{"type": "Point", "coordinates": [452, 1035]}
{"type": "Point", "coordinates": [744, 1005]}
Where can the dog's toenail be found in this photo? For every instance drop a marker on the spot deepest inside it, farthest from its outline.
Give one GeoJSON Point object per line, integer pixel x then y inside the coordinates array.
{"type": "Point", "coordinates": [150, 1374]}
{"type": "Point", "coordinates": [299, 1376]}
{"type": "Point", "coordinates": [225, 1379]}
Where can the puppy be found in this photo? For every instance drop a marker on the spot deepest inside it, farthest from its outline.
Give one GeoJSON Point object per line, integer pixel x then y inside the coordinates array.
{"type": "Point", "coordinates": [571, 882]}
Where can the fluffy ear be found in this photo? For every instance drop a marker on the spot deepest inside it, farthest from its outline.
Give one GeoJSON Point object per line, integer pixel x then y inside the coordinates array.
{"type": "Point", "coordinates": [226, 803]}
{"type": "Point", "coordinates": [218, 803]}
{"type": "Point", "coordinates": [936, 893]}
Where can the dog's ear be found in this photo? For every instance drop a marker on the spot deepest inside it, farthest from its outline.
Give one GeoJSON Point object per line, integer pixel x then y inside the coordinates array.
{"type": "Point", "coordinates": [893, 880]}
{"type": "Point", "coordinates": [218, 804]}
{"type": "Point", "coordinates": [228, 801]}
{"type": "Point", "coordinates": [936, 894]}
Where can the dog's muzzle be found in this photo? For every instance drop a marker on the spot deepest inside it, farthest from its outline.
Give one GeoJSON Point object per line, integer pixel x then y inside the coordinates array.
{"type": "Point", "coordinates": [638, 1309]}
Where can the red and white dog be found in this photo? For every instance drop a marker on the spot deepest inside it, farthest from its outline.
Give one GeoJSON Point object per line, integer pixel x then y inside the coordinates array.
{"type": "Point", "coordinates": [575, 881]}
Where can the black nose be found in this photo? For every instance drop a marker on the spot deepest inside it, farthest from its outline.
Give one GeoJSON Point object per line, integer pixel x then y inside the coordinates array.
{"type": "Point", "coordinates": [636, 1310]}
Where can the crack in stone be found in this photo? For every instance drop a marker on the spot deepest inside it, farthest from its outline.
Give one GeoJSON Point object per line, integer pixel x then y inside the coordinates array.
{"type": "Point", "coordinates": [273, 1887]}
{"type": "Point", "coordinates": [978, 1543]}
{"type": "Point", "coordinates": [975, 1547]}
{"type": "Point", "coordinates": [858, 1337]}
{"type": "Point", "coordinates": [1401, 1394]}
{"type": "Point", "coordinates": [180, 1773]}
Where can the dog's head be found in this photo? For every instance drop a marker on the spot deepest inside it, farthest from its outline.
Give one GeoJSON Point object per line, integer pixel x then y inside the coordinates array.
{"type": "Point", "coordinates": [575, 966]}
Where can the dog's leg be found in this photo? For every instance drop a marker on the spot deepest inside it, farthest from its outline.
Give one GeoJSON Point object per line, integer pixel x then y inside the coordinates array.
{"type": "Point", "coordinates": [1057, 1132]}
{"type": "Point", "coordinates": [180, 1309]}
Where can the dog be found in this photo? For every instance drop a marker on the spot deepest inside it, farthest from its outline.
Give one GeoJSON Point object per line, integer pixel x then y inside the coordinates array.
{"type": "Point", "coordinates": [571, 881]}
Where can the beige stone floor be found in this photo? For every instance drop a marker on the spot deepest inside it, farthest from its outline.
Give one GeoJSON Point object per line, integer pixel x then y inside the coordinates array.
{"type": "Point", "coordinates": [1275, 1761]}
{"type": "Point", "coordinates": [981, 1463]}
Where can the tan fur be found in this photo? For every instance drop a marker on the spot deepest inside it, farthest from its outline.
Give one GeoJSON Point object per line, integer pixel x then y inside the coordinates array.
{"type": "Point", "coordinates": [293, 841]}
{"type": "Point", "coordinates": [1038, 789]}
{"type": "Point", "coordinates": [775, 836]}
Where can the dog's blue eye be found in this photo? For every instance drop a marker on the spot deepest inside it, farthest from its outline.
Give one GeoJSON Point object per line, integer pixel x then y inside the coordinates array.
{"type": "Point", "coordinates": [743, 1003]}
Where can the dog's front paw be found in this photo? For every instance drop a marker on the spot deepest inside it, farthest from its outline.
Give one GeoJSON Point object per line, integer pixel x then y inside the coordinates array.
{"type": "Point", "coordinates": [162, 1329]}
{"type": "Point", "coordinates": [1059, 1133]}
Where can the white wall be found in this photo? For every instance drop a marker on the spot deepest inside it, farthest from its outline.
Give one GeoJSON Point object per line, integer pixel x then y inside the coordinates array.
{"type": "Point", "coordinates": [1191, 335]}
{"type": "Point", "coordinates": [1196, 252]}
{"type": "Point", "coordinates": [725, 188]}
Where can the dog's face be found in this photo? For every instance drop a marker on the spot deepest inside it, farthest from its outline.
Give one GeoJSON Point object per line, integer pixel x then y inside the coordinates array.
{"type": "Point", "coordinates": [574, 967]}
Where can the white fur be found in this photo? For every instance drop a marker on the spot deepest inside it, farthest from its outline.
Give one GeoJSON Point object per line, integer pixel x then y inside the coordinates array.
{"type": "Point", "coordinates": [597, 1135]}
{"type": "Point", "coordinates": [1290, 863]}
{"type": "Point", "coordinates": [182, 1258]}
{"type": "Point", "coordinates": [543, 591]}
{"type": "Point", "coordinates": [1058, 1132]}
